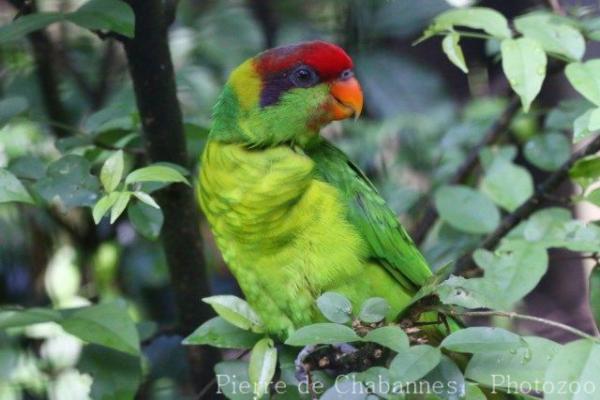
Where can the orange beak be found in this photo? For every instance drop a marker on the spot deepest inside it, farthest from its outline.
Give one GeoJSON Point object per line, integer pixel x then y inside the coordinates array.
{"type": "Point", "coordinates": [347, 99]}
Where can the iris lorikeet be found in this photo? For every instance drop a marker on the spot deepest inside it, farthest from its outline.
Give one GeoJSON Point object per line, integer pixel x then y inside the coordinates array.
{"type": "Point", "coordinates": [292, 216]}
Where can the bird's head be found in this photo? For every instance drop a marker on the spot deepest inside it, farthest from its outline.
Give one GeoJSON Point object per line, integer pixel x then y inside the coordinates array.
{"type": "Point", "coordinates": [287, 94]}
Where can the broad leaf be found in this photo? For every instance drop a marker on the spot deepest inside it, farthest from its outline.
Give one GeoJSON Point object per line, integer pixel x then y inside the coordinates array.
{"type": "Point", "coordinates": [526, 364]}
{"type": "Point", "coordinates": [146, 220]}
{"type": "Point", "coordinates": [322, 333]}
{"type": "Point", "coordinates": [586, 170]}
{"type": "Point", "coordinates": [507, 184]}
{"type": "Point", "coordinates": [12, 190]}
{"type": "Point", "coordinates": [27, 24]}
{"type": "Point", "coordinates": [116, 375]}
{"type": "Point", "coordinates": [548, 152]}
{"type": "Point", "coordinates": [107, 15]}
{"type": "Point", "coordinates": [235, 311]}
{"type": "Point", "coordinates": [156, 173]}
{"type": "Point", "coordinates": [107, 324]}
{"type": "Point", "coordinates": [27, 167]}
{"type": "Point", "coordinates": [554, 36]}
{"type": "Point", "coordinates": [218, 332]}
{"type": "Point", "coordinates": [261, 369]}
{"type": "Point", "coordinates": [586, 124]}
{"type": "Point", "coordinates": [233, 380]}
{"type": "Point", "coordinates": [103, 205]}
{"type": "Point", "coordinates": [575, 365]}
{"type": "Point", "coordinates": [451, 47]}
{"type": "Point", "coordinates": [112, 171]}
{"type": "Point", "coordinates": [11, 107]}
{"type": "Point", "coordinates": [585, 78]}
{"type": "Point", "coordinates": [524, 64]}
{"type": "Point", "coordinates": [335, 307]}
{"type": "Point", "coordinates": [447, 379]}
{"type": "Point", "coordinates": [486, 19]}
{"type": "Point", "coordinates": [146, 198]}
{"type": "Point", "coordinates": [391, 337]}
{"type": "Point", "coordinates": [68, 181]}
{"type": "Point", "coordinates": [414, 363]}
{"type": "Point", "coordinates": [466, 209]}
{"type": "Point", "coordinates": [373, 310]}
{"type": "Point", "coordinates": [119, 206]}
{"type": "Point", "coordinates": [482, 340]}
{"type": "Point", "coordinates": [18, 318]}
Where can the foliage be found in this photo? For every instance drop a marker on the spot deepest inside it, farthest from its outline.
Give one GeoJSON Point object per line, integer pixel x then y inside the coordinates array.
{"type": "Point", "coordinates": [92, 202]}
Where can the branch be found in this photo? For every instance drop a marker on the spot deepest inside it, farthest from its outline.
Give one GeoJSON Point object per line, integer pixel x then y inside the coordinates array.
{"type": "Point", "coordinates": [556, 8]}
{"type": "Point", "coordinates": [469, 164]}
{"type": "Point", "coordinates": [530, 206]}
{"type": "Point", "coordinates": [151, 70]}
{"type": "Point", "coordinates": [513, 315]}
{"type": "Point", "coordinates": [44, 56]}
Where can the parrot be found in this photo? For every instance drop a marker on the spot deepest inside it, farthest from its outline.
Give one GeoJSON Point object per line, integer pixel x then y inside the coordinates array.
{"type": "Point", "coordinates": [291, 214]}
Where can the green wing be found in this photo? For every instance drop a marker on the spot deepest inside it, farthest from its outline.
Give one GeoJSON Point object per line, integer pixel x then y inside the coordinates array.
{"type": "Point", "coordinates": [390, 244]}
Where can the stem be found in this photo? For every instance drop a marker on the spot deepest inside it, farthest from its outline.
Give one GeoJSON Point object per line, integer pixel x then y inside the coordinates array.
{"type": "Point", "coordinates": [531, 205]}
{"type": "Point", "coordinates": [556, 8]}
{"type": "Point", "coordinates": [513, 315]}
{"type": "Point", "coordinates": [153, 76]}
{"type": "Point", "coordinates": [468, 165]}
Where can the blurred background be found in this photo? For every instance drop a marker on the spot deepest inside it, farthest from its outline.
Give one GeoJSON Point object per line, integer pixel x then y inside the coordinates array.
{"type": "Point", "coordinates": [422, 115]}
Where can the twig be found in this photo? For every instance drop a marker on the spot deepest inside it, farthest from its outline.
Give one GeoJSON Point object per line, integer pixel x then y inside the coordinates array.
{"type": "Point", "coordinates": [556, 8]}
{"type": "Point", "coordinates": [530, 206]}
{"type": "Point", "coordinates": [468, 165]}
{"type": "Point", "coordinates": [513, 315]}
{"type": "Point", "coordinates": [152, 72]}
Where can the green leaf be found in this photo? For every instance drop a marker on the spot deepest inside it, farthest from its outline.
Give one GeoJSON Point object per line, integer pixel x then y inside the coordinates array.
{"type": "Point", "coordinates": [447, 379]}
{"type": "Point", "coordinates": [11, 107]}
{"type": "Point", "coordinates": [346, 389]}
{"type": "Point", "coordinates": [482, 339]}
{"type": "Point", "coordinates": [594, 197]}
{"type": "Point", "coordinates": [217, 332]}
{"type": "Point", "coordinates": [466, 209]}
{"type": "Point", "coordinates": [146, 220]}
{"type": "Point", "coordinates": [19, 318]}
{"type": "Point", "coordinates": [515, 269]}
{"type": "Point", "coordinates": [594, 296]}
{"type": "Point", "coordinates": [526, 364]}
{"type": "Point", "coordinates": [233, 380]}
{"type": "Point", "coordinates": [586, 125]}
{"type": "Point", "coordinates": [524, 64]}
{"type": "Point", "coordinates": [146, 198]}
{"type": "Point", "coordinates": [554, 36]}
{"type": "Point", "coordinates": [322, 333]}
{"type": "Point", "coordinates": [236, 311]}
{"type": "Point", "coordinates": [414, 363]}
{"type": "Point", "coordinates": [27, 24]}
{"type": "Point", "coordinates": [68, 181]}
{"type": "Point", "coordinates": [107, 15]}
{"type": "Point", "coordinates": [156, 173]}
{"type": "Point", "coordinates": [586, 170]}
{"type": "Point", "coordinates": [373, 310]}
{"type": "Point", "coordinates": [469, 293]}
{"type": "Point", "coordinates": [474, 393]}
{"type": "Point", "coordinates": [486, 19]}
{"type": "Point", "coordinates": [548, 152]}
{"type": "Point", "coordinates": [112, 171]}
{"type": "Point", "coordinates": [451, 47]}
{"type": "Point", "coordinates": [261, 369]}
{"type": "Point", "coordinates": [335, 307]}
{"type": "Point", "coordinates": [116, 375]}
{"type": "Point", "coordinates": [103, 205]}
{"type": "Point", "coordinates": [390, 336]}
{"type": "Point", "coordinates": [27, 167]}
{"type": "Point", "coordinates": [585, 78]}
{"type": "Point", "coordinates": [12, 190]}
{"type": "Point", "coordinates": [119, 206]}
{"type": "Point", "coordinates": [107, 324]}
{"type": "Point", "coordinates": [575, 365]}
{"type": "Point", "coordinates": [507, 184]}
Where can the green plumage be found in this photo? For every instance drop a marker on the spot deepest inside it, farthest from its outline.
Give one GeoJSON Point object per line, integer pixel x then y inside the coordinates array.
{"type": "Point", "coordinates": [292, 216]}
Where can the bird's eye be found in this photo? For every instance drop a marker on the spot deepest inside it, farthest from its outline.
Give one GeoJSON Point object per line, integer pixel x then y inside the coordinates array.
{"type": "Point", "coordinates": [304, 77]}
{"type": "Point", "coordinates": [346, 74]}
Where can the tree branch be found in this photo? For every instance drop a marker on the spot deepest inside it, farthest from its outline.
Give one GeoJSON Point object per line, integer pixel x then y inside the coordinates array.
{"type": "Point", "coordinates": [151, 69]}
{"type": "Point", "coordinates": [44, 55]}
{"type": "Point", "coordinates": [468, 165]}
{"type": "Point", "coordinates": [530, 206]}
{"type": "Point", "coordinates": [513, 315]}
